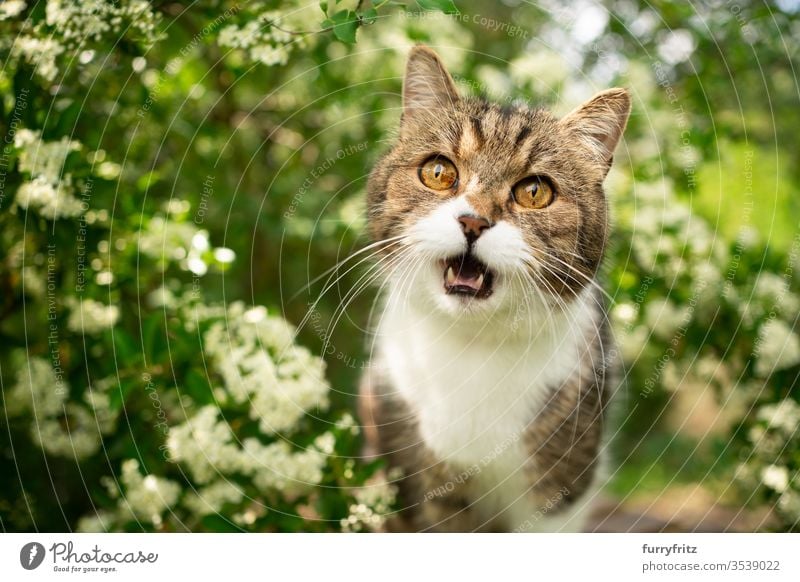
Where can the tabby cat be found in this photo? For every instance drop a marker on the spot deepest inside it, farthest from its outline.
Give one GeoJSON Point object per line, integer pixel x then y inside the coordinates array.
{"type": "Point", "coordinates": [492, 363]}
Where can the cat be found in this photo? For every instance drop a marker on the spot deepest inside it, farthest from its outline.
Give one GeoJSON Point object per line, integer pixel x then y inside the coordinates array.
{"type": "Point", "coordinates": [492, 364]}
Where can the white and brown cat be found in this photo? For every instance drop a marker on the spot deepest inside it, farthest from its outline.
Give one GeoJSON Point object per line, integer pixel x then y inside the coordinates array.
{"type": "Point", "coordinates": [492, 362]}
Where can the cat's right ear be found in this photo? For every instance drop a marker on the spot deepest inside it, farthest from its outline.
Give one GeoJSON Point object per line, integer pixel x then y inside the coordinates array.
{"type": "Point", "coordinates": [427, 85]}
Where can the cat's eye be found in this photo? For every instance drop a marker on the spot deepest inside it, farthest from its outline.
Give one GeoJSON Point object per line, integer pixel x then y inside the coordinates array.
{"type": "Point", "coordinates": [438, 173]}
{"type": "Point", "coordinates": [534, 193]}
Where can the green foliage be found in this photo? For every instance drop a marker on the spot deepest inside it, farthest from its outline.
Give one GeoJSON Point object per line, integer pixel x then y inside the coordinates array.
{"type": "Point", "coordinates": [173, 177]}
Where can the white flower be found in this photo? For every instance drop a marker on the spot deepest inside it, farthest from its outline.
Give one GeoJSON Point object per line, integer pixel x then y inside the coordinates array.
{"type": "Point", "coordinates": [789, 505]}
{"type": "Point", "coordinates": [100, 522]}
{"type": "Point", "coordinates": [43, 159]}
{"type": "Point", "coordinates": [167, 239]}
{"type": "Point", "coordinates": [543, 70]}
{"type": "Point", "coordinates": [38, 390]}
{"type": "Point", "coordinates": [147, 498]}
{"type": "Point", "coordinates": [664, 317]}
{"type": "Point", "coordinates": [98, 399]}
{"type": "Point", "coordinates": [204, 445]}
{"type": "Point", "coordinates": [161, 297]}
{"type": "Point", "coordinates": [211, 498]}
{"type": "Point", "coordinates": [259, 364]}
{"type": "Point", "coordinates": [373, 502]}
{"type": "Point", "coordinates": [50, 201]}
{"type": "Point", "coordinates": [770, 286]}
{"type": "Point", "coordinates": [49, 190]}
{"type": "Point", "coordinates": [88, 316]}
{"type": "Point", "coordinates": [269, 54]}
{"type": "Point", "coordinates": [11, 8]}
{"type": "Point", "coordinates": [77, 22]}
{"type": "Point", "coordinates": [776, 478]}
{"type": "Point", "coordinates": [276, 467]}
{"type": "Point", "coordinates": [171, 239]}
{"type": "Point", "coordinates": [632, 343]}
{"type": "Point", "coordinates": [75, 435]}
{"type": "Point", "coordinates": [33, 281]}
{"type": "Point", "coordinates": [264, 43]}
{"type": "Point", "coordinates": [41, 53]}
{"type": "Point", "coordinates": [777, 347]}
{"type": "Point", "coordinates": [783, 416]}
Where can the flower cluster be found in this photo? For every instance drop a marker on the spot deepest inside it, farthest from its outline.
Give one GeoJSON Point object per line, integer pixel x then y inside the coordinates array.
{"type": "Point", "coordinates": [269, 36]}
{"type": "Point", "coordinates": [171, 238]}
{"type": "Point", "coordinates": [260, 365]}
{"type": "Point", "coordinates": [89, 317]}
{"type": "Point", "coordinates": [49, 191]}
{"type": "Point", "coordinates": [373, 504]}
{"type": "Point", "coordinates": [59, 425]}
{"type": "Point", "coordinates": [92, 20]}
{"type": "Point", "coordinates": [242, 453]}
{"type": "Point", "coordinates": [69, 25]}
{"type": "Point", "coordinates": [772, 466]}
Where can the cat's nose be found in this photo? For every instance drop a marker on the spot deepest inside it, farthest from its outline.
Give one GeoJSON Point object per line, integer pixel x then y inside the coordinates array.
{"type": "Point", "coordinates": [473, 226]}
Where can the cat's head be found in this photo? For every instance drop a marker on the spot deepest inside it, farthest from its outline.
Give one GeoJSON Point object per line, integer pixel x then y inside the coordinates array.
{"type": "Point", "coordinates": [487, 207]}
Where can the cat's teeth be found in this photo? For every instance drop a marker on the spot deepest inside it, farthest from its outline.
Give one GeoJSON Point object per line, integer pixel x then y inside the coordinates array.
{"type": "Point", "coordinates": [479, 282]}
{"type": "Point", "coordinates": [450, 278]}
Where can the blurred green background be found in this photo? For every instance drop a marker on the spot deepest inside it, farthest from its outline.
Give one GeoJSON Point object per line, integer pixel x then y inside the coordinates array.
{"type": "Point", "coordinates": [166, 166]}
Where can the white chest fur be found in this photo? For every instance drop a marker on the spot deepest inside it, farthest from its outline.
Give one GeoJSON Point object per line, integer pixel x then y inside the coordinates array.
{"type": "Point", "coordinates": [476, 388]}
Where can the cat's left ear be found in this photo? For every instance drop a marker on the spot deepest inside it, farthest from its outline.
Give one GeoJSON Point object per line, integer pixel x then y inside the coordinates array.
{"type": "Point", "coordinates": [427, 86]}
{"type": "Point", "coordinates": [601, 121]}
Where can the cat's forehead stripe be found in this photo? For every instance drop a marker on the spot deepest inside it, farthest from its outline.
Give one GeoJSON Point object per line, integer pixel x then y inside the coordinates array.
{"type": "Point", "coordinates": [471, 139]}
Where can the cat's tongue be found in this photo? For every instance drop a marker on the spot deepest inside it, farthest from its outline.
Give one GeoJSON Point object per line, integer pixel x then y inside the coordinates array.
{"type": "Point", "coordinates": [465, 275]}
{"type": "Point", "coordinates": [455, 278]}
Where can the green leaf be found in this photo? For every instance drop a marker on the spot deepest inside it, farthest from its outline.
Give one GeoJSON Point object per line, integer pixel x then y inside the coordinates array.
{"type": "Point", "coordinates": [126, 348]}
{"type": "Point", "coordinates": [345, 25]}
{"type": "Point", "coordinates": [197, 386]}
{"type": "Point", "coordinates": [118, 394]}
{"type": "Point", "coordinates": [218, 523]}
{"type": "Point", "coordinates": [154, 336]}
{"type": "Point", "coordinates": [323, 4]}
{"type": "Point", "coordinates": [370, 15]}
{"type": "Point", "coordinates": [446, 6]}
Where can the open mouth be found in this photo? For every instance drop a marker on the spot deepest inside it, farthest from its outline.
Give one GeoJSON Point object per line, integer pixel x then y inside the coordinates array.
{"type": "Point", "coordinates": [466, 275]}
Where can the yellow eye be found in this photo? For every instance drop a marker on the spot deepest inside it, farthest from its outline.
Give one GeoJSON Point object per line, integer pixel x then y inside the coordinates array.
{"type": "Point", "coordinates": [534, 193]}
{"type": "Point", "coordinates": [438, 173]}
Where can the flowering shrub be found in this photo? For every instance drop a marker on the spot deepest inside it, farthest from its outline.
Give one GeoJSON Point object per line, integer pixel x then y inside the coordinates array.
{"type": "Point", "coordinates": [172, 180]}
{"type": "Point", "coordinates": [177, 412]}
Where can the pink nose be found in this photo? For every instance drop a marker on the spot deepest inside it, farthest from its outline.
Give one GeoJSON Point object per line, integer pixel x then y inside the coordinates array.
{"type": "Point", "coordinates": [473, 226]}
